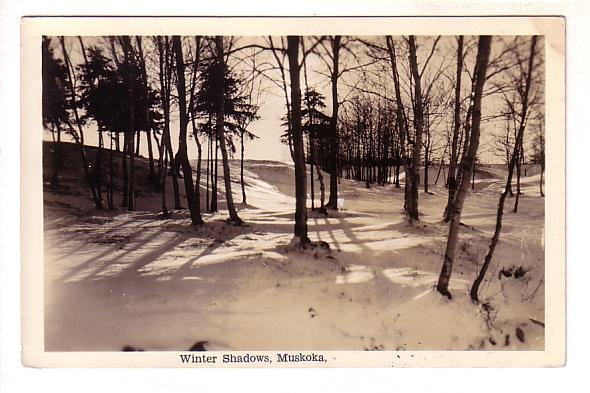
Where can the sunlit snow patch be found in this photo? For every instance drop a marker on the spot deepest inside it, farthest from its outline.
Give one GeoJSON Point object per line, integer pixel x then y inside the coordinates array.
{"type": "Point", "coordinates": [355, 274]}
{"type": "Point", "coordinates": [412, 277]}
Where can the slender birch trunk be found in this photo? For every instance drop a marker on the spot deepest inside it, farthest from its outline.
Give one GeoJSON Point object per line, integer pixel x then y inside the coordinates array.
{"type": "Point", "coordinates": [483, 53]}
{"type": "Point", "coordinates": [220, 123]}
{"type": "Point", "coordinates": [452, 181]}
{"type": "Point", "coordinates": [418, 127]}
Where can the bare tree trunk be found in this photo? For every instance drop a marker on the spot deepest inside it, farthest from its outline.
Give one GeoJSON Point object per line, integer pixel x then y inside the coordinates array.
{"type": "Point", "coordinates": [452, 181]}
{"type": "Point", "coordinates": [473, 176]}
{"type": "Point", "coordinates": [483, 53]}
{"type": "Point", "coordinates": [466, 133]}
{"type": "Point", "coordinates": [208, 206]}
{"type": "Point", "coordinates": [426, 161]}
{"type": "Point", "coordinates": [312, 191]}
{"type": "Point", "coordinates": [220, 123]}
{"type": "Point", "coordinates": [441, 165]}
{"type": "Point", "coordinates": [165, 59]}
{"type": "Point", "coordinates": [191, 110]}
{"type": "Point", "coordinates": [242, 169]}
{"type": "Point", "coordinates": [522, 158]}
{"type": "Point", "coordinates": [165, 211]}
{"type": "Point", "coordinates": [173, 171]}
{"type": "Point", "coordinates": [165, 75]}
{"type": "Point", "coordinates": [199, 157]}
{"type": "Point", "coordinates": [299, 154]}
{"type": "Point", "coordinates": [311, 181]}
{"type": "Point", "coordinates": [182, 155]}
{"type": "Point", "coordinates": [160, 150]}
{"type": "Point", "coordinates": [285, 92]}
{"type": "Point", "coordinates": [99, 165]}
{"type": "Point", "coordinates": [151, 155]}
{"type": "Point", "coordinates": [518, 172]}
{"type": "Point", "coordinates": [164, 171]}
{"type": "Point", "coordinates": [334, 153]}
{"type": "Point", "coordinates": [541, 181]}
{"type": "Point", "coordinates": [322, 186]}
{"type": "Point", "coordinates": [137, 143]}
{"type": "Point", "coordinates": [124, 202]}
{"type": "Point", "coordinates": [499, 215]}
{"type": "Point", "coordinates": [129, 77]}
{"type": "Point", "coordinates": [310, 135]}
{"type": "Point", "coordinates": [418, 126]}
{"type": "Point", "coordinates": [80, 138]}
{"type": "Point", "coordinates": [123, 147]}
{"type": "Point", "coordinates": [401, 123]}
{"type": "Point", "coordinates": [56, 155]}
{"type": "Point", "coordinates": [519, 163]}
{"type": "Point", "coordinates": [110, 184]}
{"type": "Point", "coordinates": [131, 171]}
{"type": "Point", "coordinates": [147, 114]}
{"type": "Point", "coordinates": [214, 176]}
{"type": "Point", "coordinates": [99, 153]}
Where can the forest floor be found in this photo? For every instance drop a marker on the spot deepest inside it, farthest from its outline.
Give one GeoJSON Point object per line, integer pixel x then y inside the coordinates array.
{"type": "Point", "coordinates": [118, 278]}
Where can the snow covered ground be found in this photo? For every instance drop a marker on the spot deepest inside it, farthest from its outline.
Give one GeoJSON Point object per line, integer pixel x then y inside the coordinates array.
{"type": "Point", "coordinates": [115, 279]}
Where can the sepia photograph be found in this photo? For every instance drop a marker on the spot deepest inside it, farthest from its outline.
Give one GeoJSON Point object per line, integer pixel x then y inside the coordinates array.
{"type": "Point", "coordinates": [297, 194]}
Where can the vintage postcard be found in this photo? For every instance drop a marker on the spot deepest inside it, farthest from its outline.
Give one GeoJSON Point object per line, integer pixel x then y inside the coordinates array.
{"type": "Point", "coordinates": [293, 192]}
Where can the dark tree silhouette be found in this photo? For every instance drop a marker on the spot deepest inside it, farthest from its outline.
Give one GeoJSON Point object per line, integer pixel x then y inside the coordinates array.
{"type": "Point", "coordinates": [298, 148]}
{"type": "Point", "coordinates": [483, 53]}
{"type": "Point", "coordinates": [54, 105]}
{"type": "Point", "coordinates": [182, 154]}
{"type": "Point", "coordinates": [105, 96]}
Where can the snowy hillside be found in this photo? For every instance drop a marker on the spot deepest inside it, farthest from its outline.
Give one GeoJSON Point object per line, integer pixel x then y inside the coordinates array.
{"type": "Point", "coordinates": [116, 279]}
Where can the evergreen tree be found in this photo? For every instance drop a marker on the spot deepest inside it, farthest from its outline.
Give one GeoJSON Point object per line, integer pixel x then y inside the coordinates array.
{"type": "Point", "coordinates": [105, 98]}
{"type": "Point", "coordinates": [54, 105]}
{"type": "Point", "coordinates": [238, 112]}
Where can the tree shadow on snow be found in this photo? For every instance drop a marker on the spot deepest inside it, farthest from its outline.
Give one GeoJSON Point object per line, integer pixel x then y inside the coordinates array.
{"type": "Point", "coordinates": [148, 245]}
